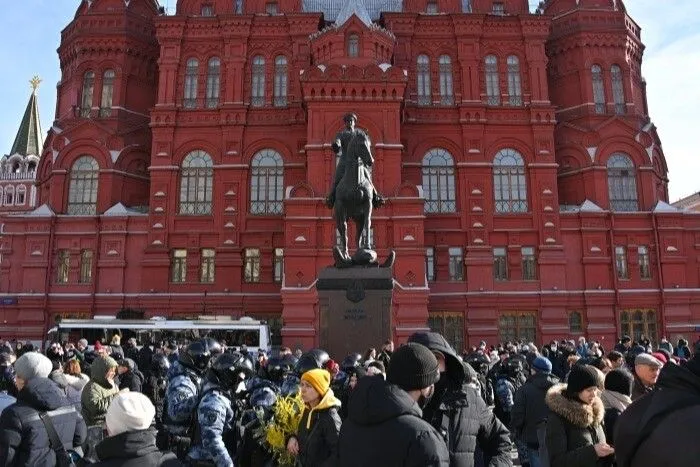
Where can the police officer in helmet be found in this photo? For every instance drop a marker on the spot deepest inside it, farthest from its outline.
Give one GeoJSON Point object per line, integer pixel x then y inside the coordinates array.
{"type": "Point", "coordinates": [214, 439]}
{"type": "Point", "coordinates": [182, 394]}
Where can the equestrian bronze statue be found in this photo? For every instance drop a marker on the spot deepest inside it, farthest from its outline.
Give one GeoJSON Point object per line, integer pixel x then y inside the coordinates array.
{"type": "Point", "coordinates": [353, 196]}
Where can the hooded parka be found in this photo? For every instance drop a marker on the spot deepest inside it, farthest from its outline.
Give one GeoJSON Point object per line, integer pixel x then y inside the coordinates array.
{"type": "Point", "coordinates": [385, 428]}
{"type": "Point", "coordinates": [458, 412]}
{"type": "Point", "coordinates": [99, 392]}
{"type": "Point", "coordinates": [573, 428]}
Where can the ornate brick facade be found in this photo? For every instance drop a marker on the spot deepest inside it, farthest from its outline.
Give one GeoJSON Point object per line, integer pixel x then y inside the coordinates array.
{"type": "Point", "coordinates": [526, 184]}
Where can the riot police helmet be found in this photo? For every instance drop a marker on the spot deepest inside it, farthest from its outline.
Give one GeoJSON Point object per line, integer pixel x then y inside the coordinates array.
{"type": "Point", "coordinates": [313, 359]}
{"type": "Point", "coordinates": [351, 361]}
{"type": "Point", "coordinates": [196, 356]}
{"type": "Point", "coordinates": [231, 368]}
{"type": "Point", "coordinates": [160, 365]}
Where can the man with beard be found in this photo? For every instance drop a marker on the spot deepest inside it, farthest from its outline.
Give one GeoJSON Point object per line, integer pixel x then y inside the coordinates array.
{"type": "Point", "coordinates": [458, 412]}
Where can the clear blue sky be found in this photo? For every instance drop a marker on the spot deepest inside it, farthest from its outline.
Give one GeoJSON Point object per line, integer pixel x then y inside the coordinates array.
{"type": "Point", "coordinates": [30, 34]}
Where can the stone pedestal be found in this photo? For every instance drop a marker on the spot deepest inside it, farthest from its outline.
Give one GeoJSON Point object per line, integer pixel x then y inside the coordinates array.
{"type": "Point", "coordinates": [354, 309]}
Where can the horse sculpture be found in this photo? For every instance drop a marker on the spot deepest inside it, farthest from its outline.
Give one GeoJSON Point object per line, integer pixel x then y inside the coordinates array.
{"type": "Point", "coordinates": [353, 200]}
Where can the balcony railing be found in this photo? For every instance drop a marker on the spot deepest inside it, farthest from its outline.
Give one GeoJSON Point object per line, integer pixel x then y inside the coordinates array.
{"type": "Point", "coordinates": [18, 176]}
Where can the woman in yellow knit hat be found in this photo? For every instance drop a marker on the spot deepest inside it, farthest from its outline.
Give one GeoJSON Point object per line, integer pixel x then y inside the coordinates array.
{"type": "Point", "coordinates": [317, 436]}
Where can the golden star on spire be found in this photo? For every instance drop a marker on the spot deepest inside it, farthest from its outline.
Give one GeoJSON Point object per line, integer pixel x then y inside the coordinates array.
{"type": "Point", "coordinates": [35, 82]}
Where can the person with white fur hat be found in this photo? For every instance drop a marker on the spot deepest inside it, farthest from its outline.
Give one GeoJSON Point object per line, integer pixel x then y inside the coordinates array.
{"type": "Point", "coordinates": [132, 439]}
{"type": "Point", "coordinates": [24, 438]}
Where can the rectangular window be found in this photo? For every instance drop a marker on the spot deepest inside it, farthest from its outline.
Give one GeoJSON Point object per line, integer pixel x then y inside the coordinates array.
{"type": "Point", "coordinates": [251, 265]}
{"type": "Point", "coordinates": [271, 8]}
{"type": "Point", "coordinates": [207, 10]}
{"type": "Point", "coordinates": [450, 325]}
{"type": "Point", "coordinates": [456, 264]}
{"type": "Point", "coordinates": [575, 322]}
{"type": "Point", "coordinates": [639, 324]}
{"type": "Point", "coordinates": [85, 267]}
{"type": "Point", "coordinates": [432, 8]}
{"type": "Point", "coordinates": [517, 326]}
{"type": "Point", "coordinates": [63, 266]}
{"type": "Point", "coordinates": [430, 263]}
{"type": "Point", "coordinates": [498, 8]}
{"type": "Point", "coordinates": [644, 263]}
{"type": "Point", "coordinates": [278, 265]}
{"type": "Point", "coordinates": [207, 265]}
{"type": "Point", "coordinates": [500, 264]}
{"type": "Point", "coordinates": [529, 263]}
{"type": "Point", "coordinates": [621, 262]}
{"type": "Point", "coordinates": [178, 266]}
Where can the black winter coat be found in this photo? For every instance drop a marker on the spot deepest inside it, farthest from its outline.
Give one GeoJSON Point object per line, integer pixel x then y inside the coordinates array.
{"type": "Point", "coordinates": [132, 379]}
{"type": "Point", "coordinates": [529, 408]}
{"type": "Point", "coordinates": [318, 444]}
{"type": "Point", "coordinates": [674, 441]}
{"type": "Point", "coordinates": [23, 437]}
{"type": "Point", "coordinates": [154, 389]}
{"type": "Point", "coordinates": [460, 415]}
{"type": "Point", "coordinates": [134, 449]}
{"type": "Point", "coordinates": [384, 428]}
{"type": "Point", "coordinates": [573, 429]}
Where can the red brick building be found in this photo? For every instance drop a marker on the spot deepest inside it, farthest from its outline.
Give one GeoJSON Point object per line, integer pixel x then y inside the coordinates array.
{"type": "Point", "coordinates": [187, 167]}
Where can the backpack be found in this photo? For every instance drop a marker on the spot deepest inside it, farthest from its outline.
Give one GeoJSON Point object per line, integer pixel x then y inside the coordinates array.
{"type": "Point", "coordinates": [63, 457]}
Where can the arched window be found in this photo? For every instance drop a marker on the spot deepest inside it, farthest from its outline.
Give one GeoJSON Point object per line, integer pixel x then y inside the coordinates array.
{"type": "Point", "coordinates": [493, 87]}
{"type": "Point", "coordinates": [446, 92]}
{"type": "Point", "coordinates": [266, 183]}
{"type": "Point", "coordinates": [423, 77]}
{"type": "Point", "coordinates": [515, 92]}
{"type": "Point", "coordinates": [439, 181]}
{"type": "Point", "coordinates": [9, 196]}
{"type": "Point", "coordinates": [353, 45]}
{"type": "Point", "coordinates": [107, 93]}
{"type": "Point", "coordinates": [16, 167]}
{"type": "Point", "coordinates": [509, 184]}
{"type": "Point", "coordinates": [213, 82]}
{"type": "Point", "coordinates": [88, 92]}
{"type": "Point", "coordinates": [196, 183]}
{"type": "Point", "coordinates": [191, 75]}
{"type": "Point", "coordinates": [2, 196]}
{"type": "Point", "coordinates": [280, 97]}
{"type": "Point", "coordinates": [258, 83]}
{"type": "Point", "coordinates": [598, 89]}
{"type": "Point", "coordinates": [31, 167]}
{"type": "Point", "coordinates": [622, 183]}
{"type": "Point", "coordinates": [21, 195]}
{"type": "Point", "coordinates": [82, 191]}
{"type": "Point", "coordinates": [618, 90]}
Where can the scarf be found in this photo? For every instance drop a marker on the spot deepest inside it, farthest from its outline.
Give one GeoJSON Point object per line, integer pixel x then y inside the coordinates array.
{"type": "Point", "coordinates": [615, 400]}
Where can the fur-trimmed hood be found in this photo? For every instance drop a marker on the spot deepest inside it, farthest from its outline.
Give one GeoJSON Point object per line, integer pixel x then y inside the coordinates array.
{"type": "Point", "coordinates": [577, 413]}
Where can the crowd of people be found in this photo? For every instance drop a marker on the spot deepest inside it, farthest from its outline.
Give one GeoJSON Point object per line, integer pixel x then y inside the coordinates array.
{"type": "Point", "coordinates": [566, 404]}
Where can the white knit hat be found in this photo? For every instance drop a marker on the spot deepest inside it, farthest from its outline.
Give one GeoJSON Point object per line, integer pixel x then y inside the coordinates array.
{"type": "Point", "coordinates": [129, 411]}
{"type": "Point", "coordinates": [33, 365]}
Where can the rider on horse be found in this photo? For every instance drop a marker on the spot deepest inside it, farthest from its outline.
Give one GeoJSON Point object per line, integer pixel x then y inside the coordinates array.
{"type": "Point", "coordinates": [340, 147]}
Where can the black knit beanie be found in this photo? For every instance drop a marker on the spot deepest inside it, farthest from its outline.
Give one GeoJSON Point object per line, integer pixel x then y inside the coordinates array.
{"type": "Point", "coordinates": [619, 380]}
{"type": "Point", "coordinates": [581, 377]}
{"type": "Point", "coordinates": [413, 366]}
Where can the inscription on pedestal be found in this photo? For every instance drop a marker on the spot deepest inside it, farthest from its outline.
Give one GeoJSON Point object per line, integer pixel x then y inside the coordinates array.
{"type": "Point", "coordinates": [355, 309]}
